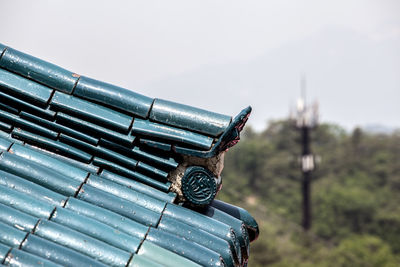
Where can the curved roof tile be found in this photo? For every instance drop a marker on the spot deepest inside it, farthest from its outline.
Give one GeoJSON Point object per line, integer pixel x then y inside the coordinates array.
{"type": "Point", "coordinates": [85, 174]}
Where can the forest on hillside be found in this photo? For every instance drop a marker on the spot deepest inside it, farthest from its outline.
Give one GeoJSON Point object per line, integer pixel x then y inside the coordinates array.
{"type": "Point", "coordinates": [355, 196]}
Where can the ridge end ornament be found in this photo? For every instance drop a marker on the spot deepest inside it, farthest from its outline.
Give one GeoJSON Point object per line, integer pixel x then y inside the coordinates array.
{"type": "Point", "coordinates": [199, 186]}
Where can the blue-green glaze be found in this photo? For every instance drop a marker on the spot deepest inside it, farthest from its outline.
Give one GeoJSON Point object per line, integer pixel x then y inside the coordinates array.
{"type": "Point", "coordinates": [139, 154]}
{"type": "Point", "coordinates": [22, 105]}
{"type": "Point", "coordinates": [229, 138]}
{"type": "Point", "coordinates": [97, 147]}
{"type": "Point", "coordinates": [140, 187]}
{"type": "Point", "coordinates": [89, 111]}
{"type": "Point", "coordinates": [126, 193]}
{"type": "Point", "coordinates": [5, 127]}
{"type": "Point", "coordinates": [199, 185]}
{"type": "Point", "coordinates": [241, 214]}
{"type": "Point", "coordinates": [69, 161]}
{"type": "Point", "coordinates": [114, 96]}
{"type": "Point", "coordinates": [152, 171]}
{"type": "Point", "coordinates": [118, 158]}
{"type": "Point", "coordinates": [24, 88]}
{"type": "Point", "coordinates": [237, 225]}
{"type": "Point", "coordinates": [51, 163]}
{"type": "Point", "coordinates": [188, 117]}
{"type": "Point", "coordinates": [153, 159]}
{"type": "Point", "coordinates": [79, 144]}
{"type": "Point", "coordinates": [156, 144]}
{"type": "Point", "coordinates": [17, 258]}
{"type": "Point", "coordinates": [94, 130]}
{"type": "Point", "coordinates": [205, 223]}
{"type": "Point", "coordinates": [190, 250]}
{"type": "Point", "coordinates": [38, 70]}
{"type": "Point", "coordinates": [24, 124]}
{"type": "Point", "coordinates": [51, 145]}
{"type": "Point", "coordinates": [59, 128]}
{"type": "Point", "coordinates": [96, 229]}
{"type": "Point", "coordinates": [142, 261]}
{"type": "Point", "coordinates": [198, 220]}
{"type": "Point", "coordinates": [38, 174]}
{"type": "Point", "coordinates": [85, 244]}
{"type": "Point", "coordinates": [118, 205]}
{"type": "Point", "coordinates": [131, 174]}
{"type": "Point", "coordinates": [56, 253]}
{"type": "Point", "coordinates": [157, 130]}
{"type": "Point", "coordinates": [3, 252]}
{"type": "Point", "coordinates": [116, 146]}
{"type": "Point", "coordinates": [31, 189]}
{"type": "Point", "coordinates": [17, 219]}
{"type": "Point", "coordinates": [27, 204]}
{"type": "Point", "coordinates": [162, 256]}
{"type": "Point", "coordinates": [2, 49]}
{"type": "Point", "coordinates": [108, 217]}
{"type": "Point", "coordinates": [9, 108]}
{"type": "Point", "coordinates": [7, 136]}
{"type": "Point", "coordinates": [11, 236]}
{"type": "Point", "coordinates": [198, 236]}
{"type": "Point", "coordinates": [5, 144]}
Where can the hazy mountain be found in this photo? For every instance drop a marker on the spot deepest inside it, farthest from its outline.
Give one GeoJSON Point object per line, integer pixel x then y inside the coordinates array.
{"type": "Point", "coordinates": [378, 129]}
{"type": "Point", "coordinates": [355, 78]}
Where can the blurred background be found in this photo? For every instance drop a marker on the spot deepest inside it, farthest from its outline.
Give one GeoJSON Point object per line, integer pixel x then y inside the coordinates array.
{"type": "Point", "coordinates": [226, 55]}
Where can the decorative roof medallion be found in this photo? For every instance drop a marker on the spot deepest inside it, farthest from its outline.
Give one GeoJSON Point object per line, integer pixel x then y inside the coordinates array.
{"type": "Point", "coordinates": [199, 185]}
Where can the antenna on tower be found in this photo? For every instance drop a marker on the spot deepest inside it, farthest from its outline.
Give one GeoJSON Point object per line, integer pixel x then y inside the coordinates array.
{"type": "Point", "coordinates": [305, 119]}
{"type": "Point", "coordinates": [303, 87]}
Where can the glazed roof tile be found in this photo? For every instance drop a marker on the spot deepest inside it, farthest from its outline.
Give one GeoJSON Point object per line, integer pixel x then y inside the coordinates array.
{"type": "Point", "coordinates": [85, 174]}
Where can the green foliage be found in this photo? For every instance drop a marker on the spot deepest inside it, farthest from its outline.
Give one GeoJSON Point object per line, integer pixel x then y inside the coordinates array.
{"type": "Point", "coordinates": [355, 196]}
{"type": "Point", "coordinates": [362, 251]}
{"type": "Point", "coordinates": [387, 226]}
{"type": "Point", "coordinates": [342, 210]}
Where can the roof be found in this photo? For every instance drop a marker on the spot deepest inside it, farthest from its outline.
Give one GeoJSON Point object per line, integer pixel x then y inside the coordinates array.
{"type": "Point", "coordinates": [94, 174]}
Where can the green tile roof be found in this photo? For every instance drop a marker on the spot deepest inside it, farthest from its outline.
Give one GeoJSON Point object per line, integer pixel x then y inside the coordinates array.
{"type": "Point", "coordinates": [85, 175]}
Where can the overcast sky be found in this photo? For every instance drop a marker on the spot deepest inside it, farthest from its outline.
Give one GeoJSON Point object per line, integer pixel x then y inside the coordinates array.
{"type": "Point", "coordinates": [225, 55]}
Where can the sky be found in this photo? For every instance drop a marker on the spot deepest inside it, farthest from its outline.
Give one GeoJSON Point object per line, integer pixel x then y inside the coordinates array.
{"type": "Point", "coordinates": [226, 55]}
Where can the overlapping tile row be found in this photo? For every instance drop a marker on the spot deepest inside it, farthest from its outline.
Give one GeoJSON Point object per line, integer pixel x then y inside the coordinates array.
{"type": "Point", "coordinates": [78, 133]}
{"type": "Point", "coordinates": [63, 214]}
{"type": "Point", "coordinates": [105, 125]}
{"type": "Point", "coordinates": [76, 152]}
{"type": "Point", "coordinates": [131, 103]}
{"type": "Point", "coordinates": [91, 121]}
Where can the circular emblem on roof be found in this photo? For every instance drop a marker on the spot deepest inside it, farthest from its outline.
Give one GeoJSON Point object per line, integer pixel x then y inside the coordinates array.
{"type": "Point", "coordinates": [198, 185]}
